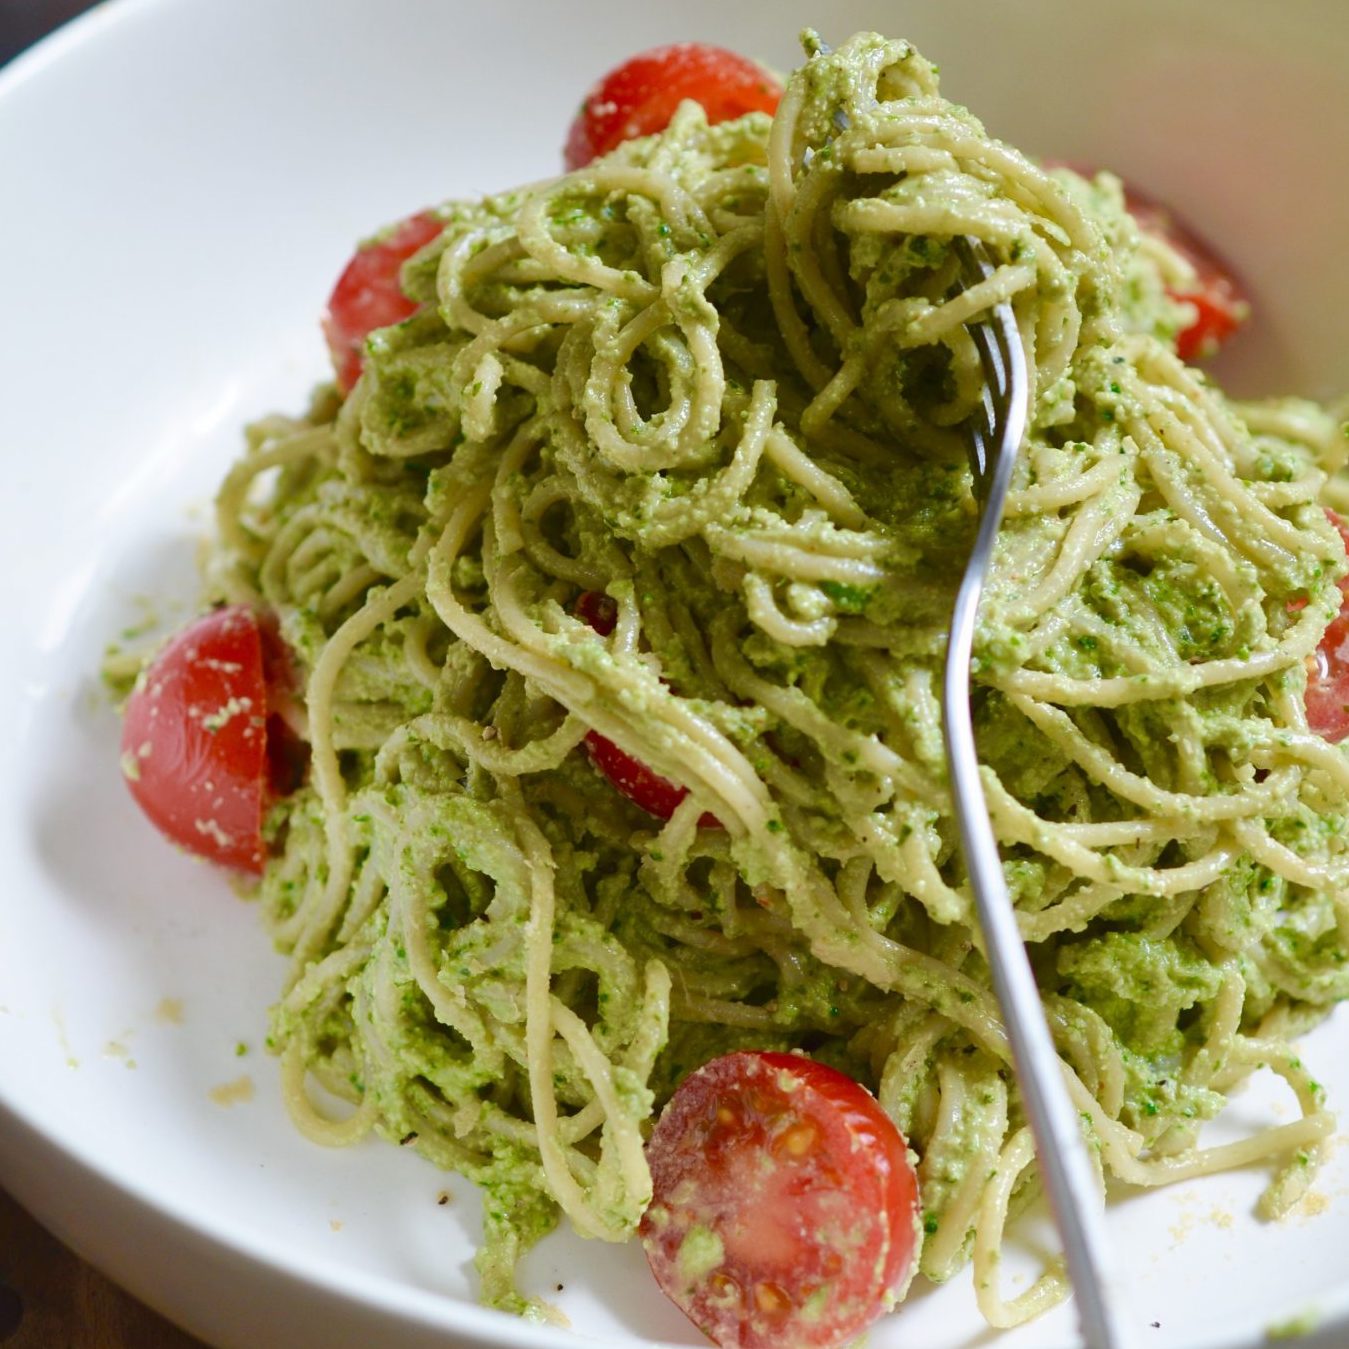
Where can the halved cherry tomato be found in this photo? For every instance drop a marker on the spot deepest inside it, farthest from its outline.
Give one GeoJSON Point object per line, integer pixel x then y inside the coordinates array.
{"type": "Point", "coordinates": [197, 751]}
{"type": "Point", "coordinates": [785, 1207]}
{"type": "Point", "coordinates": [630, 777]}
{"type": "Point", "coordinates": [1328, 674]}
{"type": "Point", "coordinates": [1220, 307]}
{"type": "Point", "coordinates": [367, 295]}
{"type": "Point", "coordinates": [639, 97]}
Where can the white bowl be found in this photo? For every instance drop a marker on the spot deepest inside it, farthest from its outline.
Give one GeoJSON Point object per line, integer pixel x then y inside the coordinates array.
{"type": "Point", "coordinates": [181, 183]}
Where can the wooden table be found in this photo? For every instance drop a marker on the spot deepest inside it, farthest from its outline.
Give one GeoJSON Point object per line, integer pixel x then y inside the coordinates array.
{"type": "Point", "coordinates": [24, 22]}
{"type": "Point", "coordinates": [66, 1303]}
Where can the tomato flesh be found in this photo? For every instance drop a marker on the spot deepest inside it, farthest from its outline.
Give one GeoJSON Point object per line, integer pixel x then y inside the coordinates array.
{"type": "Point", "coordinates": [785, 1208]}
{"type": "Point", "coordinates": [1328, 672]}
{"type": "Point", "coordinates": [629, 777]}
{"type": "Point", "coordinates": [195, 750]}
{"type": "Point", "coordinates": [640, 97]}
{"type": "Point", "coordinates": [368, 294]}
{"type": "Point", "coordinates": [1219, 304]}
{"type": "Point", "coordinates": [598, 610]}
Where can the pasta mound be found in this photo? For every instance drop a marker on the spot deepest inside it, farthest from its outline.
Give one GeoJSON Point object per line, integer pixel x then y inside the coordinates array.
{"type": "Point", "coordinates": [722, 376]}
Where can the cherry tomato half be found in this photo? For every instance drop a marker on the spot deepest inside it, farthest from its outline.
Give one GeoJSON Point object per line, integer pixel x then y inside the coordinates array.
{"type": "Point", "coordinates": [639, 97]}
{"type": "Point", "coordinates": [1328, 673]}
{"type": "Point", "coordinates": [1220, 307]}
{"type": "Point", "coordinates": [785, 1207]}
{"type": "Point", "coordinates": [195, 738]}
{"type": "Point", "coordinates": [630, 777]}
{"type": "Point", "coordinates": [368, 295]}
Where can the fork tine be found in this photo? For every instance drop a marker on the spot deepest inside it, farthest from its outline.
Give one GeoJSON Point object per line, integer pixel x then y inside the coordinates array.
{"type": "Point", "coordinates": [998, 342]}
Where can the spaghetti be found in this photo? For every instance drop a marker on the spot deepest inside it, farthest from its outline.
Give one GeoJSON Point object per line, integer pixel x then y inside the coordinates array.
{"type": "Point", "coordinates": [721, 377]}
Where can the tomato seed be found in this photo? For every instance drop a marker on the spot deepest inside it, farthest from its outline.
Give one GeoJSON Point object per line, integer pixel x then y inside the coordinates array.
{"type": "Point", "coordinates": [724, 1288]}
{"type": "Point", "coordinates": [772, 1299]}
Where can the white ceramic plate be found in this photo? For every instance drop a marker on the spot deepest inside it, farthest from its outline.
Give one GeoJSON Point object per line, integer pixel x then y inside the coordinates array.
{"type": "Point", "coordinates": [181, 180]}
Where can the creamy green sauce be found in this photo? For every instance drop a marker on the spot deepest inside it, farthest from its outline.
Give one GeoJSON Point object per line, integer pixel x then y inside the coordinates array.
{"type": "Point", "coordinates": [606, 394]}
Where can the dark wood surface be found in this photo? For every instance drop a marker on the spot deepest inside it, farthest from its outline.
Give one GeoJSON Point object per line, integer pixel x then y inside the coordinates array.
{"type": "Point", "coordinates": [49, 1298]}
{"type": "Point", "coordinates": [22, 22]}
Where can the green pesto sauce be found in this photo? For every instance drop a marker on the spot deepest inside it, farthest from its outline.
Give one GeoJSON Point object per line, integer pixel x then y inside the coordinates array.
{"type": "Point", "coordinates": [779, 928]}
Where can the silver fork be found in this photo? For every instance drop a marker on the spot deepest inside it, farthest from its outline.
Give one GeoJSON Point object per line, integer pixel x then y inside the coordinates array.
{"type": "Point", "coordinates": [1061, 1150]}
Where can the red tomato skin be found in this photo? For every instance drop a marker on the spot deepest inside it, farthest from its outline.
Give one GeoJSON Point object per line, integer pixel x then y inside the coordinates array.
{"type": "Point", "coordinates": [640, 97]}
{"type": "Point", "coordinates": [1328, 673]}
{"type": "Point", "coordinates": [806, 1185]}
{"type": "Point", "coordinates": [368, 294]}
{"type": "Point", "coordinates": [194, 740]}
{"type": "Point", "coordinates": [1219, 312]}
{"type": "Point", "coordinates": [630, 777]}
{"type": "Point", "coordinates": [1220, 306]}
{"type": "Point", "coordinates": [598, 610]}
